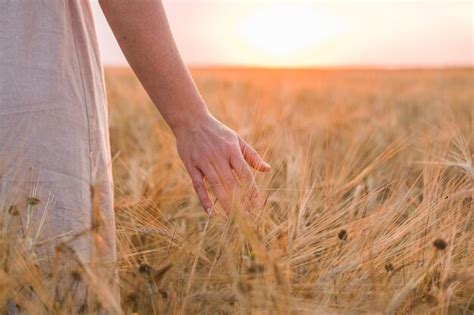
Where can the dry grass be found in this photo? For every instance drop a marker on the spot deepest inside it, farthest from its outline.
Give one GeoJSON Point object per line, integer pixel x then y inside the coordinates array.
{"type": "Point", "coordinates": [369, 207]}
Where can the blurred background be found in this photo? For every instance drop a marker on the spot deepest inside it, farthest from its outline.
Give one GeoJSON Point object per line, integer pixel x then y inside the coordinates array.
{"type": "Point", "coordinates": [314, 33]}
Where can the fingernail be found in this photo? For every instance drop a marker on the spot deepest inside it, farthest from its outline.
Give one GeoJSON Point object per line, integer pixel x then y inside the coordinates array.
{"type": "Point", "coordinates": [266, 164]}
{"type": "Point", "coordinates": [209, 211]}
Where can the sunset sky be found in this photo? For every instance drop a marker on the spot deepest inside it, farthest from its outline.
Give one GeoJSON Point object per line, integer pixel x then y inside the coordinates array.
{"type": "Point", "coordinates": [314, 33]}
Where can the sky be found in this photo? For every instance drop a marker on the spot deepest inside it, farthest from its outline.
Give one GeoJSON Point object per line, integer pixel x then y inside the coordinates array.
{"type": "Point", "coordinates": [297, 33]}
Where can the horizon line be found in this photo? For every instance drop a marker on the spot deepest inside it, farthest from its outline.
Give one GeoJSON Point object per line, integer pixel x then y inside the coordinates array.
{"type": "Point", "coordinates": [315, 67]}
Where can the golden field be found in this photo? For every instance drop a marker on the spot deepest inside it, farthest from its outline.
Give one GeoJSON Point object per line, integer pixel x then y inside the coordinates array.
{"type": "Point", "coordinates": [369, 169]}
{"type": "Point", "coordinates": [369, 207]}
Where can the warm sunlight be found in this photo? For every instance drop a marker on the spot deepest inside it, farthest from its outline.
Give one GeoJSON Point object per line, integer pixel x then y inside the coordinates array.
{"type": "Point", "coordinates": [283, 30]}
{"type": "Point", "coordinates": [237, 156]}
{"type": "Point", "coordinates": [293, 33]}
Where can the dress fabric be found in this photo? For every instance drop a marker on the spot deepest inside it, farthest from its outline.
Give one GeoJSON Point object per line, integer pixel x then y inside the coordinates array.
{"type": "Point", "coordinates": [54, 140]}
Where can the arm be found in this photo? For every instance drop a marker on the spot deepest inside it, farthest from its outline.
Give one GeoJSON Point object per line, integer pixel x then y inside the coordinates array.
{"type": "Point", "coordinates": [209, 150]}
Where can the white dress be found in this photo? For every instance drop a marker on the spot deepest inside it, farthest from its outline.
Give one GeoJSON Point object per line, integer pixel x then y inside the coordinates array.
{"type": "Point", "coordinates": [54, 140]}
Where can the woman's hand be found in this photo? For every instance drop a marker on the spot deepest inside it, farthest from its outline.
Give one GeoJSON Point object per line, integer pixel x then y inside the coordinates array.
{"type": "Point", "coordinates": [214, 153]}
{"type": "Point", "coordinates": [210, 151]}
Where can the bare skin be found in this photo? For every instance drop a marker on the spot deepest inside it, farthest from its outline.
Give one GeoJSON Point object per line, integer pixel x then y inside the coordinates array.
{"type": "Point", "coordinates": [210, 151]}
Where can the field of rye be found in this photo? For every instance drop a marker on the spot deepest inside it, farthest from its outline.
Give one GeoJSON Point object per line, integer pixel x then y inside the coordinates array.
{"type": "Point", "coordinates": [369, 207]}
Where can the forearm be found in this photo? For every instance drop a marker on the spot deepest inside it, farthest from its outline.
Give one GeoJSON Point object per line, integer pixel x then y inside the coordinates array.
{"type": "Point", "coordinates": [143, 33]}
{"type": "Point", "coordinates": [210, 151]}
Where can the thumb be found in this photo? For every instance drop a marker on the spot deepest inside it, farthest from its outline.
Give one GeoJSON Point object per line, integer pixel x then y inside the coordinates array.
{"type": "Point", "coordinates": [252, 157]}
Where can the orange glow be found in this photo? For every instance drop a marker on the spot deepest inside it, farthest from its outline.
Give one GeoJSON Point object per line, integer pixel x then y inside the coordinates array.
{"type": "Point", "coordinates": [305, 33]}
{"type": "Point", "coordinates": [285, 30]}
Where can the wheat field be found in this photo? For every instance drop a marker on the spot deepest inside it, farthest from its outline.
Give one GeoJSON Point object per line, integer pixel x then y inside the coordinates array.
{"type": "Point", "coordinates": [369, 207]}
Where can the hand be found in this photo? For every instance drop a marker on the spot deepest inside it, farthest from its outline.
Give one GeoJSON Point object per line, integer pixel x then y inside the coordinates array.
{"type": "Point", "coordinates": [215, 153]}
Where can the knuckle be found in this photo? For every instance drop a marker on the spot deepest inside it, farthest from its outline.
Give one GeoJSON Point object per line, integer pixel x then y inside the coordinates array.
{"type": "Point", "coordinates": [244, 149]}
{"type": "Point", "coordinates": [229, 180]}
{"type": "Point", "coordinates": [244, 171]}
{"type": "Point", "coordinates": [198, 183]}
{"type": "Point", "coordinates": [249, 176]}
{"type": "Point", "coordinates": [235, 152]}
{"type": "Point", "coordinates": [213, 181]}
{"type": "Point", "coordinates": [213, 153]}
{"type": "Point", "coordinates": [244, 174]}
{"type": "Point", "coordinates": [230, 146]}
{"type": "Point", "coordinates": [194, 158]}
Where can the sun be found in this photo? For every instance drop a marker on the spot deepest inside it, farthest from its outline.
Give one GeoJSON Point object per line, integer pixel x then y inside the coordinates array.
{"type": "Point", "coordinates": [286, 30]}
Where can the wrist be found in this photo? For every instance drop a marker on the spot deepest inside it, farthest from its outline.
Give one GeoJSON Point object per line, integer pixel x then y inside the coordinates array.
{"type": "Point", "coordinates": [189, 119]}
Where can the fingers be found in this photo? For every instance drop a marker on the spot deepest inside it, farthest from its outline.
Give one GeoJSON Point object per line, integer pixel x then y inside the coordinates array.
{"type": "Point", "coordinates": [246, 177]}
{"type": "Point", "coordinates": [228, 175]}
{"type": "Point", "coordinates": [198, 184]}
{"type": "Point", "coordinates": [252, 157]}
{"type": "Point", "coordinates": [217, 185]}
{"type": "Point", "coordinates": [224, 171]}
